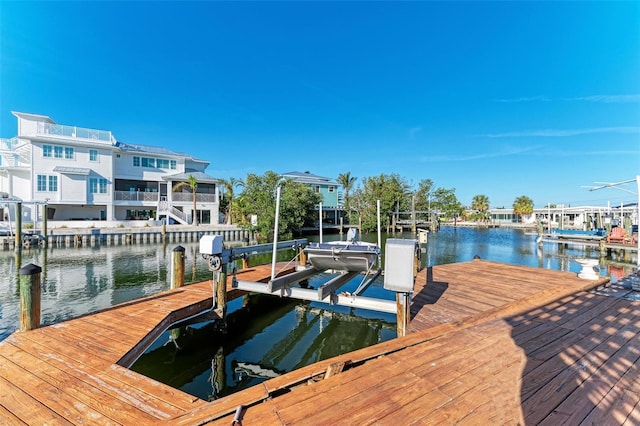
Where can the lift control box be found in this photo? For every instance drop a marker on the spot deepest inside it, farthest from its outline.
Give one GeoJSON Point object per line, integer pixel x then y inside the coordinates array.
{"type": "Point", "coordinates": [211, 244]}
{"type": "Point", "coordinates": [399, 264]}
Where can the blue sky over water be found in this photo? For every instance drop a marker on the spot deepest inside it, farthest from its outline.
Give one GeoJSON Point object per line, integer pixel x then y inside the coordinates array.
{"type": "Point", "coordinates": [496, 98]}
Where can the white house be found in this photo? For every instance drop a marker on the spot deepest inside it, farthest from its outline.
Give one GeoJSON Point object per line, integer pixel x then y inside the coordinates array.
{"type": "Point", "coordinates": [85, 174]}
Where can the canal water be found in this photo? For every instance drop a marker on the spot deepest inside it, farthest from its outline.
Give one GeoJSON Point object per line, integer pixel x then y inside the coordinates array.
{"type": "Point", "coordinates": [266, 335]}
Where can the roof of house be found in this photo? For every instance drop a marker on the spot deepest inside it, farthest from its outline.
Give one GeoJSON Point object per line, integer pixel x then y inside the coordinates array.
{"type": "Point", "coordinates": [33, 117]}
{"type": "Point", "coordinates": [307, 177]}
{"type": "Point", "coordinates": [200, 177]}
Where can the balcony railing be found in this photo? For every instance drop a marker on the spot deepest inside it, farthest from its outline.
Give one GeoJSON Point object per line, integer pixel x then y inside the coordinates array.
{"type": "Point", "coordinates": [136, 196]}
{"type": "Point", "coordinates": [8, 144]}
{"type": "Point", "coordinates": [49, 129]}
{"type": "Point", "coordinates": [185, 196]}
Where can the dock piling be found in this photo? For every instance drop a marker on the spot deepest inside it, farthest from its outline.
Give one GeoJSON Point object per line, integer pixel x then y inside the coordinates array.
{"type": "Point", "coordinates": [177, 269]}
{"type": "Point", "coordinates": [30, 297]}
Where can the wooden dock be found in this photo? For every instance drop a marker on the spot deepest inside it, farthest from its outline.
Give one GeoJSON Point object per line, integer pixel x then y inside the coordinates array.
{"type": "Point", "coordinates": [490, 343]}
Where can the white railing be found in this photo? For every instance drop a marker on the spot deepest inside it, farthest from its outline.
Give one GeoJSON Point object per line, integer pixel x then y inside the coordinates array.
{"type": "Point", "coordinates": [8, 144]}
{"type": "Point", "coordinates": [164, 207]}
{"type": "Point", "coordinates": [49, 129]}
{"type": "Point", "coordinates": [185, 196]}
{"type": "Point", "coordinates": [136, 196]}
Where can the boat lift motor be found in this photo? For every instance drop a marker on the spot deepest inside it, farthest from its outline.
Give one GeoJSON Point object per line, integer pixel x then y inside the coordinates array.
{"type": "Point", "coordinates": [399, 265]}
{"type": "Point", "coordinates": [211, 247]}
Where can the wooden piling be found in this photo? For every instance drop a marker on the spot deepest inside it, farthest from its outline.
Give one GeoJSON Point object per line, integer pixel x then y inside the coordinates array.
{"type": "Point", "coordinates": [44, 226]}
{"type": "Point", "coordinates": [18, 239]}
{"type": "Point", "coordinates": [403, 303]}
{"type": "Point", "coordinates": [30, 297]}
{"type": "Point", "coordinates": [220, 282]}
{"type": "Point", "coordinates": [177, 270]}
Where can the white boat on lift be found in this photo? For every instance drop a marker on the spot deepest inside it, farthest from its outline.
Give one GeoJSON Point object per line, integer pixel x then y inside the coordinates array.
{"type": "Point", "coordinates": [351, 255]}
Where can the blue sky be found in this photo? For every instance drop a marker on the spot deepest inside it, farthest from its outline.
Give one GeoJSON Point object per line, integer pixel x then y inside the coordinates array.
{"type": "Point", "coordinates": [499, 98]}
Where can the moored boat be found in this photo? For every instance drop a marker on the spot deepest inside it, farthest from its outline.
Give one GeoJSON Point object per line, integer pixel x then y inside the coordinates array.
{"type": "Point", "coordinates": [351, 255]}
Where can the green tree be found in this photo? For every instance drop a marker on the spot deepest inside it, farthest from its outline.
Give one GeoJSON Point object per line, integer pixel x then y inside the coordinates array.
{"type": "Point", "coordinates": [297, 202]}
{"type": "Point", "coordinates": [424, 195]}
{"type": "Point", "coordinates": [347, 181]}
{"type": "Point", "coordinates": [191, 183]}
{"type": "Point", "coordinates": [228, 199]}
{"type": "Point", "coordinates": [393, 193]}
{"type": "Point", "coordinates": [522, 205]}
{"type": "Point", "coordinates": [446, 203]}
{"type": "Point", "coordinates": [480, 203]}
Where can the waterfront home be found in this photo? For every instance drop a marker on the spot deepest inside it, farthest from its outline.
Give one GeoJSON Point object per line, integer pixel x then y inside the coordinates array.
{"type": "Point", "coordinates": [82, 174]}
{"type": "Point", "coordinates": [327, 187]}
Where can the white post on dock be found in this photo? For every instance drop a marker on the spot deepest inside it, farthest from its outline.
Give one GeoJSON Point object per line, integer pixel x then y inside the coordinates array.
{"type": "Point", "coordinates": [379, 232]}
{"type": "Point", "coordinates": [275, 235]}
{"type": "Point", "coordinates": [320, 220]}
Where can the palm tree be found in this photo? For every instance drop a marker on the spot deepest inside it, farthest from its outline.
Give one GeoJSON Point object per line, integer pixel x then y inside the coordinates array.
{"type": "Point", "coordinates": [192, 183]}
{"type": "Point", "coordinates": [229, 185]}
{"type": "Point", "coordinates": [523, 205]}
{"type": "Point", "coordinates": [347, 181]}
{"type": "Point", "coordinates": [480, 203]}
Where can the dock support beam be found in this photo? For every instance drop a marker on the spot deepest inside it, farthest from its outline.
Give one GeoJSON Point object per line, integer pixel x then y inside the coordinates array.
{"type": "Point", "coordinates": [18, 226]}
{"type": "Point", "coordinates": [177, 270]}
{"type": "Point", "coordinates": [402, 306]}
{"type": "Point", "coordinates": [220, 285]}
{"type": "Point", "coordinates": [30, 297]}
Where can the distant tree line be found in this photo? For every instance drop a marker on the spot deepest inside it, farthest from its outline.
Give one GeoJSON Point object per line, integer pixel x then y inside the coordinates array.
{"type": "Point", "coordinates": [254, 207]}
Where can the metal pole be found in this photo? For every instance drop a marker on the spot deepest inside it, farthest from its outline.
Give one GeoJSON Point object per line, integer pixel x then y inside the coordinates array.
{"type": "Point", "coordinates": [379, 234]}
{"type": "Point", "coordinates": [320, 220]}
{"type": "Point", "coordinates": [275, 235]}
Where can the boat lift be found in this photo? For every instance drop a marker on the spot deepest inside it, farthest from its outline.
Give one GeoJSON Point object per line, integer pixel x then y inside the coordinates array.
{"type": "Point", "coordinates": [399, 258]}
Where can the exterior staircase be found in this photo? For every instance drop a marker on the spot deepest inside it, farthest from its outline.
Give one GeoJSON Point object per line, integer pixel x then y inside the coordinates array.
{"type": "Point", "coordinates": [166, 209]}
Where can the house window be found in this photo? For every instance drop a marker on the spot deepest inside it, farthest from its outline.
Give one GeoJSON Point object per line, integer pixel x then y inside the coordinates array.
{"type": "Point", "coordinates": [93, 185]}
{"type": "Point", "coordinates": [162, 164]}
{"type": "Point", "coordinates": [136, 161]}
{"type": "Point", "coordinates": [42, 183]}
{"type": "Point", "coordinates": [47, 151]}
{"type": "Point", "coordinates": [316, 188]}
{"type": "Point", "coordinates": [172, 164]}
{"type": "Point", "coordinates": [93, 155]}
{"type": "Point", "coordinates": [332, 188]}
{"type": "Point", "coordinates": [148, 162]}
{"type": "Point", "coordinates": [97, 186]}
{"type": "Point", "coordinates": [43, 180]}
{"type": "Point", "coordinates": [57, 151]}
{"type": "Point", "coordinates": [53, 183]}
{"type": "Point", "coordinates": [68, 153]}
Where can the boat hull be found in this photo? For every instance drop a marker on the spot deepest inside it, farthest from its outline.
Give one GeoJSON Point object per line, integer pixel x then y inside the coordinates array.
{"type": "Point", "coordinates": [342, 257]}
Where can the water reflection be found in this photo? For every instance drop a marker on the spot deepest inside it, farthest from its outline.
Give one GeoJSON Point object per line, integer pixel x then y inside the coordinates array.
{"type": "Point", "coordinates": [266, 337]}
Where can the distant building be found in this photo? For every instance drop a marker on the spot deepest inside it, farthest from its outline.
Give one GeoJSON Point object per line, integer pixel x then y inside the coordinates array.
{"type": "Point", "coordinates": [85, 174]}
{"type": "Point", "coordinates": [328, 188]}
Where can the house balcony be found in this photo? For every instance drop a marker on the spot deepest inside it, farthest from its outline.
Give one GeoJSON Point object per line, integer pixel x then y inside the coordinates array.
{"type": "Point", "coordinates": [184, 196]}
{"type": "Point", "coordinates": [74, 132]}
{"type": "Point", "coordinates": [136, 196]}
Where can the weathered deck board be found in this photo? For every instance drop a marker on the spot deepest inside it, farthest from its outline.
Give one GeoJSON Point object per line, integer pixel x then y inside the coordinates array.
{"type": "Point", "coordinates": [490, 344]}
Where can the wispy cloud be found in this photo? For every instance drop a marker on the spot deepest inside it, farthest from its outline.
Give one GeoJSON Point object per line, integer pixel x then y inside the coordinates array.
{"type": "Point", "coordinates": [525, 99]}
{"type": "Point", "coordinates": [554, 133]}
{"type": "Point", "coordinates": [608, 99]}
{"type": "Point", "coordinates": [504, 152]}
{"type": "Point", "coordinates": [414, 130]}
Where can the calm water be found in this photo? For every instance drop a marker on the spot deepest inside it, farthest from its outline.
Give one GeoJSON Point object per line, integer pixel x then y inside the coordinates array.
{"type": "Point", "coordinates": [268, 335]}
